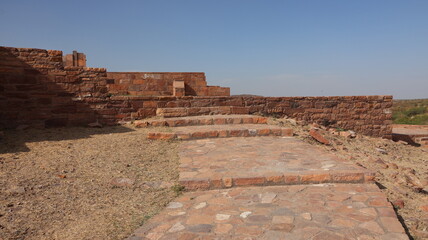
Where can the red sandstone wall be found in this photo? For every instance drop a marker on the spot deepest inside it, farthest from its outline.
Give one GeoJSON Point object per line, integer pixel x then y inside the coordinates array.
{"type": "Point", "coordinates": [36, 89]}
{"type": "Point", "coordinates": [161, 84]}
{"type": "Point", "coordinates": [370, 115]}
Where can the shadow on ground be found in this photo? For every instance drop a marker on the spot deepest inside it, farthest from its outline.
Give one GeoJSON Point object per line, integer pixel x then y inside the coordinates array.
{"type": "Point", "coordinates": [14, 141]}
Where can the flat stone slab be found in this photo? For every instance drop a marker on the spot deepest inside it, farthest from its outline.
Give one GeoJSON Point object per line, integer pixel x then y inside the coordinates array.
{"type": "Point", "coordinates": [300, 212]}
{"type": "Point", "coordinates": [410, 131]}
{"type": "Point", "coordinates": [224, 163]}
{"type": "Point", "coordinates": [197, 111]}
{"type": "Point", "coordinates": [201, 120]}
{"type": "Point", "coordinates": [219, 131]}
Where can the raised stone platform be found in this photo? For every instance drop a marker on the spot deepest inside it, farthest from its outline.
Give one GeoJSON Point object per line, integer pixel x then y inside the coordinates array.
{"type": "Point", "coordinates": [316, 212]}
{"type": "Point", "coordinates": [412, 134]}
{"type": "Point", "coordinates": [224, 163]}
{"type": "Point", "coordinates": [197, 111]}
{"type": "Point", "coordinates": [201, 120]}
{"type": "Point", "coordinates": [219, 131]}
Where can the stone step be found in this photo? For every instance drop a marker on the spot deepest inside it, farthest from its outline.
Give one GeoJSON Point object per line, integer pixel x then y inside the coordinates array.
{"type": "Point", "coordinates": [201, 120]}
{"type": "Point", "coordinates": [219, 131]}
{"type": "Point", "coordinates": [197, 111]}
{"type": "Point", "coordinates": [317, 212]}
{"type": "Point", "coordinates": [262, 161]}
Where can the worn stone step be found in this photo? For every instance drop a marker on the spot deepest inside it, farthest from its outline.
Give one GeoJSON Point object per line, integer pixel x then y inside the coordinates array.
{"type": "Point", "coordinates": [197, 111]}
{"type": "Point", "coordinates": [219, 131]}
{"type": "Point", "coordinates": [317, 212]}
{"type": "Point", "coordinates": [201, 120]}
{"type": "Point", "coordinates": [262, 161]}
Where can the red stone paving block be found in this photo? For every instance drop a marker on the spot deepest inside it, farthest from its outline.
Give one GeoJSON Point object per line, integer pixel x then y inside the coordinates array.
{"type": "Point", "coordinates": [183, 136]}
{"type": "Point", "coordinates": [181, 122]}
{"type": "Point", "coordinates": [227, 182]}
{"type": "Point", "coordinates": [223, 133]}
{"type": "Point", "coordinates": [369, 177]}
{"type": "Point", "coordinates": [195, 184]}
{"type": "Point", "coordinates": [260, 120]}
{"type": "Point", "coordinates": [161, 136]}
{"type": "Point", "coordinates": [291, 179]}
{"type": "Point", "coordinates": [378, 202]}
{"type": "Point", "coordinates": [248, 120]}
{"type": "Point", "coordinates": [274, 179]}
{"type": "Point", "coordinates": [249, 181]}
{"type": "Point", "coordinates": [220, 121]}
{"type": "Point", "coordinates": [158, 123]}
{"type": "Point", "coordinates": [208, 121]}
{"type": "Point", "coordinates": [316, 178]}
{"type": "Point", "coordinates": [236, 133]}
{"type": "Point", "coordinates": [263, 132]}
{"type": "Point", "coordinates": [347, 177]}
{"type": "Point", "coordinates": [170, 123]}
{"type": "Point", "coordinates": [287, 132]}
{"type": "Point", "coordinates": [197, 135]}
{"type": "Point", "coordinates": [276, 132]}
{"type": "Point", "coordinates": [216, 183]}
{"type": "Point", "coordinates": [392, 224]}
{"type": "Point", "coordinates": [212, 134]}
{"type": "Point", "coordinates": [237, 120]}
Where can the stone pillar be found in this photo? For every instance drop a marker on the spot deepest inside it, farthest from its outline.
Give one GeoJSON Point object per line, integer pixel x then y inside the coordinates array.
{"type": "Point", "coordinates": [178, 88]}
{"type": "Point", "coordinates": [75, 59]}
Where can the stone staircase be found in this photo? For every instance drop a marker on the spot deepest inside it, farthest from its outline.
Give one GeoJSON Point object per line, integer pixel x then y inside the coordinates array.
{"type": "Point", "coordinates": [249, 180]}
{"type": "Point", "coordinates": [213, 126]}
{"type": "Point", "coordinates": [198, 111]}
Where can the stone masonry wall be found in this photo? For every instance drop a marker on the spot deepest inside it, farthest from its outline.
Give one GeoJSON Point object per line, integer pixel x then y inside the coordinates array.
{"type": "Point", "coordinates": [161, 84]}
{"type": "Point", "coordinates": [36, 89]}
{"type": "Point", "coordinates": [369, 115]}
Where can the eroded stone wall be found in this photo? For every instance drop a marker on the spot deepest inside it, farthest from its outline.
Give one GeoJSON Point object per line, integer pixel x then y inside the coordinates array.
{"type": "Point", "coordinates": [36, 89]}
{"type": "Point", "coordinates": [161, 84]}
{"type": "Point", "coordinates": [370, 115]}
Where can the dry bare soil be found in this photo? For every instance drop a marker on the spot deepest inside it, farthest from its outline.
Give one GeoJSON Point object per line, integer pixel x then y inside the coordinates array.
{"type": "Point", "coordinates": [82, 183]}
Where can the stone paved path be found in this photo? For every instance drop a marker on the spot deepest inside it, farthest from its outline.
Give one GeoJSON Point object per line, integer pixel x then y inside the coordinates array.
{"type": "Point", "coordinates": [318, 212]}
{"type": "Point", "coordinates": [315, 196]}
{"type": "Point", "coordinates": [222, 163]}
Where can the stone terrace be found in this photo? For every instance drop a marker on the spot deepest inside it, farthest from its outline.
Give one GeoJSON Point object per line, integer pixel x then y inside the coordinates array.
{"type": "Point", "coordinates": [269, 187]}
{"type": "Point", "coordinates": [317, 212]}
{"type": "Point", "coordinates": [223, 163]}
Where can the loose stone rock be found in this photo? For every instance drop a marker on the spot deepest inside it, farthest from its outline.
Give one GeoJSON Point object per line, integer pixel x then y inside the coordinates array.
{"type": "Point", "coordinates": [177, 227]}
{"type": "Point", "coordinates": [245, 214]}
{"type": "Point", "coordinates": [174, 205]}
{"type": "Point", "coordinates": [201, 205]}
{"type": "Point", "coordinates": [222, 217]}
{"type": "Point", "coordinates": [268, 197]}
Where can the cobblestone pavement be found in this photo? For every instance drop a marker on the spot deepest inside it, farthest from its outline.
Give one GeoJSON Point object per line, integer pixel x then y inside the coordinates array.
{"type": "Point", "coordinates": [221, 163]}
{"type": "Point", "coordinates": [317, 212]}
{"type": "Point", "coordinates": [270, 187]}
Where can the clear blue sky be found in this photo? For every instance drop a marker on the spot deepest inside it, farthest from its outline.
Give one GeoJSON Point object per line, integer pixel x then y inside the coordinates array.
{"type": "Point", "coordinates": [271, 48]}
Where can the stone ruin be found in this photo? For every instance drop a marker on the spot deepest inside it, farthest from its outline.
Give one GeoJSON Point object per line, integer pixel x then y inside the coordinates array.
{"type": "Point", "coordinates": [43, 88]}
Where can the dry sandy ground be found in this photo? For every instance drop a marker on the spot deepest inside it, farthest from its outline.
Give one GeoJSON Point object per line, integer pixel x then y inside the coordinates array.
{"type": "Point", "coordinates": [57, 183]}
{"type": "Point", "coordinates": [401, 171]}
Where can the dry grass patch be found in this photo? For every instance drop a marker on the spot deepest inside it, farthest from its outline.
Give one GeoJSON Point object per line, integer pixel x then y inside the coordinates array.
{"type": "Point", "coordinates": [57, 183]}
